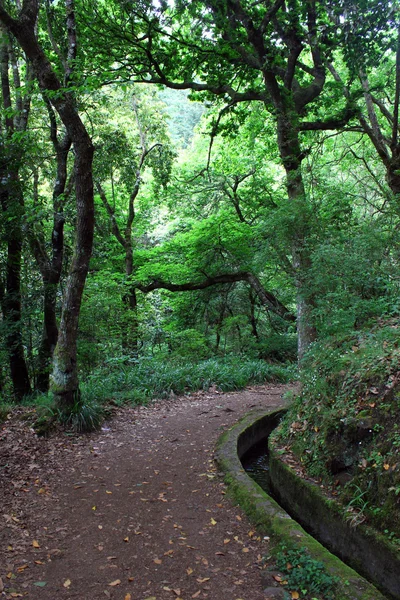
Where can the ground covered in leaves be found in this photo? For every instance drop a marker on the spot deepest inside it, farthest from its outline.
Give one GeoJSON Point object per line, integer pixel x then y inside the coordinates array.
{"type": "Point", "coordinates": [136, 511]}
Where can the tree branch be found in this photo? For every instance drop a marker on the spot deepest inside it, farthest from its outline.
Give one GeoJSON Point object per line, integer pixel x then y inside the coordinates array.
{"type": "Point", "coordinates": [267, 299]}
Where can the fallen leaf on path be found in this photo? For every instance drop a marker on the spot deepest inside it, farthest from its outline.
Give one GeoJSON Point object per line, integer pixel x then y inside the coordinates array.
{"type": "Point", "coordinates": [203, 580]}
{"type": "Point", "coordinates": [295, 595]}
{"type": "Point", "coordinates": [35, 544]}
{"type": "Point", "coordinates": [197, 594]}
{"type": "Point", "coordinates": [40, 583]}
{"type": "Point", "coordinates": [114, 583]}
{"type": "Point", "coordinates": [213, 522]}
{"type": "Point", "coordinates": [128, 597]}
{"type": "Point", "coordinates": [189, 570]}
{"type": "Point", "coordinates": [227, 541]}
{"type": "Point", "coordinates": [158, 561]}
{"type": "Point", "coordinates": [67, 583]}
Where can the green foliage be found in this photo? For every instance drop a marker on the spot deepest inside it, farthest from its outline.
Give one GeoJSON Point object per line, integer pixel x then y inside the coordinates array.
{"type": "Point", "coordinates": [147, 379]}
{"type": "Point", "coordinates": [305, 575]}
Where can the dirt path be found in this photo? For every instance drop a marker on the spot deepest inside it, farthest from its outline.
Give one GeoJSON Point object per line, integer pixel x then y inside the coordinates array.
{"type": "Point", "coordinates": [134, 512]}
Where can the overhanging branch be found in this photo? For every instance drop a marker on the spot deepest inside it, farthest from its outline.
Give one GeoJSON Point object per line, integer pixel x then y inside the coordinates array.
{"type": "Point", "coordinates": [267, 299]}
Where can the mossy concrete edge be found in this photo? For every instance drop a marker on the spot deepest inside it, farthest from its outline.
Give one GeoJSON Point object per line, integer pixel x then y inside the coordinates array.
{"type": "Point", "coordinates": [269, 518]}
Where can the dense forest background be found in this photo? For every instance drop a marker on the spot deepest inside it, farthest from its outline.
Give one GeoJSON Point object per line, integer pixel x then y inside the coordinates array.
{"type": "Point", "coordinates": [204, 193]}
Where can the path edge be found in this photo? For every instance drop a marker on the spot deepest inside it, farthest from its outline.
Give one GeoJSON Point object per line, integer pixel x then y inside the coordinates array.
{"type": "Point", "coordinates": [266, 514]}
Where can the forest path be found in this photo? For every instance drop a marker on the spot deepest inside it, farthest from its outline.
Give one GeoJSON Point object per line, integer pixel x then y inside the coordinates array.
{"type": "Point", "coordinates": [134, 512]}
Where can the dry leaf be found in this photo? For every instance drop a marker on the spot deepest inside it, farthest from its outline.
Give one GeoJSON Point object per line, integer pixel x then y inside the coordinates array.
{"type": "Point", "coordinates": [158, 561]}
{"type": "Point", "coordinates": [203, 580]}
{"type": "Point", "coordinates": [245, 550]}
{"type": "Point", "coordinates": [114, 583]}
{"type": "Point", "coordinates": [35, 544]}
{"type": "Point", "coordinates": [128, 597]}
{"type": "Point", "coordinates": [197, 594]}
{"type": "Point", "coordinates": [295, 595]}
{"type": "Point", "coordinates": [22, 569]}
{"type": "Point", "coordinates": [189, 570]}
{"type": "Point", "coordinates": [67, 583]}
{"type": "Point", "coordinates": [213, 522]}
{"type": "Point", "coordinates": [226, 541]}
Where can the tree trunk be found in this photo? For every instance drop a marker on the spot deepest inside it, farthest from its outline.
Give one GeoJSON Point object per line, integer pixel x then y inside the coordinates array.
{"type": "Point", "coordinates": [64, 379]}
{"type": "Point", "coordinates": [50, 268]}
{"type": "Point", "coordinates": [12, 204]}
{"type": "Point", "coordinates": [291, 155]}
{"type": "Point", "coordinates": [130, 337]}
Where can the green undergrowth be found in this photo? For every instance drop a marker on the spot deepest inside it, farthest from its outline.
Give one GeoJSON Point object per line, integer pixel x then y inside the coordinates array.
{"type": "Point", "coordinates": [345, 425]}
{"type": "Point", "coordinates": [138, 382]}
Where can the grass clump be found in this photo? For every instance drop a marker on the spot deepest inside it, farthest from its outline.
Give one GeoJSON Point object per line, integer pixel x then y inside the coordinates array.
{"type": "Point", "coordinates": [83, 416]}
{"type": "Point", "coordinates": [305, 576]}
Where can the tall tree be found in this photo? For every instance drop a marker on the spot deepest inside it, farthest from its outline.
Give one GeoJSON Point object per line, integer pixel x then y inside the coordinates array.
{"type": "Point", "coordinates": [64, 383]}
{"type": "Point", "coordinates": [13, 127]}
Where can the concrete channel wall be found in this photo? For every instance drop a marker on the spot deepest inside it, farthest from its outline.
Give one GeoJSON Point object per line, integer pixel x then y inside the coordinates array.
{"type": "Point", "coordinates": [267, 515]}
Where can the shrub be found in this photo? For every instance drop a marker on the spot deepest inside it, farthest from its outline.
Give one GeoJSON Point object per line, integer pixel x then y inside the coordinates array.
{"type": "Point", "coordinates": [305, 575]}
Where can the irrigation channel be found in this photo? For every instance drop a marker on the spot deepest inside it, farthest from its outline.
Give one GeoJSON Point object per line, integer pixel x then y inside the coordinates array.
{"type": "Point", "coordinates": [360, 548]}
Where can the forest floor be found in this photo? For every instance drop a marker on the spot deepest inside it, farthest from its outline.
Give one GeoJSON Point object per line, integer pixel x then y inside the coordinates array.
{"type": "Point", "coordinates": [136, 511]}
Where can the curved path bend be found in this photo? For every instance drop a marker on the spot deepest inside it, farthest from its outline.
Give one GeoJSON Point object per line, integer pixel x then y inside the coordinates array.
{"type": "Point", "coordinates": [137, 511]}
